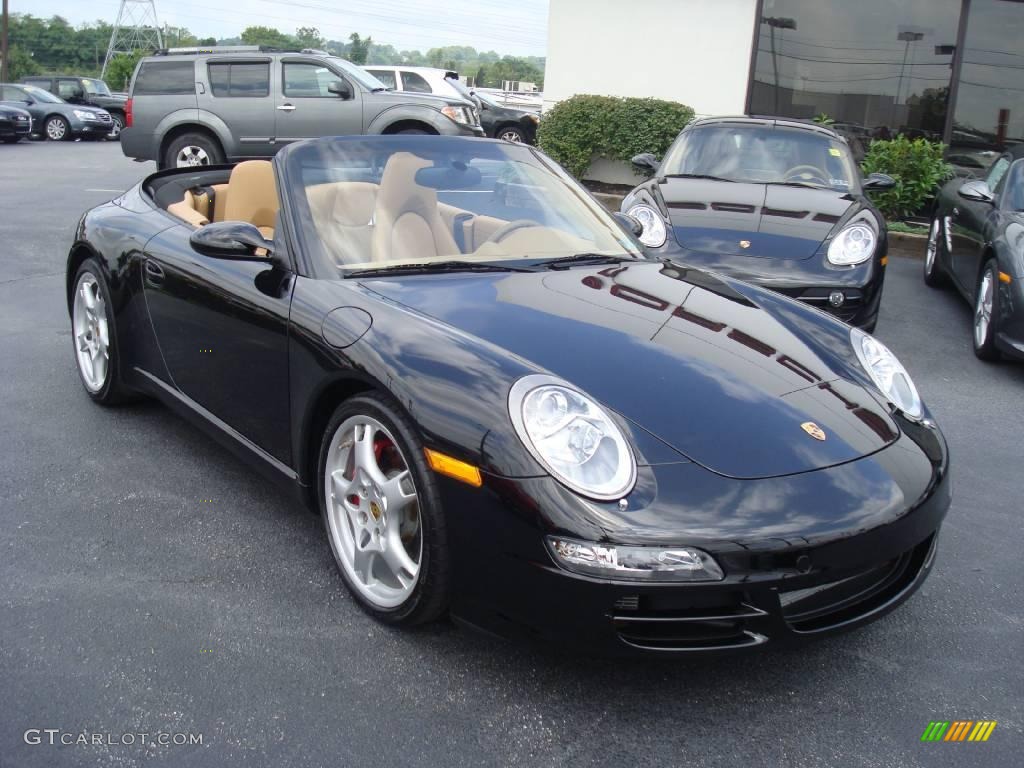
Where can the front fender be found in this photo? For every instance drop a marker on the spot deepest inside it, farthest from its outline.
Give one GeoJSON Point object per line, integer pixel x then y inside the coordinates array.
{"type": "Point", "coordinates": [403, 112]}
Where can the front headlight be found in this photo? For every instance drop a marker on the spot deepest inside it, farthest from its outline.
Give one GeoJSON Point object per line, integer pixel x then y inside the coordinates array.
{"type": "Point", "coordinates": [458, 114]}
{"type": "Point", "coordinates": [535, 119]}
{"type": "Point", "coordinates": [613, 561]}
{"type": "Point", "coordinates": [83, 115]}
{"type": "Point", "coordinates": [655, 233]}
{"type": "Point", "coordinates": [572, 437]}
{"type": "Point", "coordinates": [887, 372]}
{"type": "Point", "coordinates": [853, 245]}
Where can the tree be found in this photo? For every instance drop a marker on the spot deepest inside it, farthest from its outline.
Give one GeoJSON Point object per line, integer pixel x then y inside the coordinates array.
{"type": "Point", "coordinates": [359, 48]}
{"type": "Point", "coordinates": [20, 64]}
{"type": "Point", "coordinates": [120, 69]}
{"type": "Point", "coordinates": [481, 77]}
{"type": "Point", "coordinates": [269, 37]}
{"type": "Point", "coordinates": [310, 37]}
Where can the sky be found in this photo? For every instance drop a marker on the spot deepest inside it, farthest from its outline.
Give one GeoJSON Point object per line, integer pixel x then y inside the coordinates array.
{"type": "Point", "coordinates": [518, 28]}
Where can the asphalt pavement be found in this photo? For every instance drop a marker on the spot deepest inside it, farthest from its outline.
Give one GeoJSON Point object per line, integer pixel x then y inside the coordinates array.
{"type": "Point", "coordinates": [150, 583]}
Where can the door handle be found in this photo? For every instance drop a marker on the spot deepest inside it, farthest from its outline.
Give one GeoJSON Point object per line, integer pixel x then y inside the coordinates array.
{"type": "Point", "coordinates": [154, 271]}
{"type": "Point", "coordinates": [287, 107]}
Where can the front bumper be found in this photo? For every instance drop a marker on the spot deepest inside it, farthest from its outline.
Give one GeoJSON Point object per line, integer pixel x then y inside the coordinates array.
{"type": "Point", "coordinates": [820, 552]}
{"type": "Point", "coordinates": [15, 128]}
{"type": "Point", "coordinates": [100, 127]}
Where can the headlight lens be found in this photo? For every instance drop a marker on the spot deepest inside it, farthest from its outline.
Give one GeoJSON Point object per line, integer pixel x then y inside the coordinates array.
{"type": "Point", "coordinates": [854, 244]}
{"type": "Point", "coordinates": [655, 233]}
{"type": "Point", "coordinates": [533, 118]}
{"type": "Point", "coordinates": [887, 372]}
{"type": "Point", "coordinates": [635, 563]}
{"type": "Point", "coordinates": [458, 114]}
{"type": "Point", "coordinates": [572, 437]}
{"type": "Point", "coordinates": [83, 115]}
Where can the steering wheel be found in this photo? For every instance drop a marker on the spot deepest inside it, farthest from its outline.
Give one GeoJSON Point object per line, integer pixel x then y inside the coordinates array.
{"type": "Point", "coordinates": [806, 173]}
{"type": "Point", "coordinates": [507, 229]}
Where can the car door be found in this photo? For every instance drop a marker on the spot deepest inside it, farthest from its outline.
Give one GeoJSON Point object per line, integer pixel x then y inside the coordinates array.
{"type": "Point", "coordinates": [222, 328]}
{"type": "Point", "coordinates": [306, 108]}
{"type": "Point", "coordinates": [967, 222]}
{"type": "Point", "coordinates": [239, 94]}
{"type": "Point", "coordinates": [70, 89]}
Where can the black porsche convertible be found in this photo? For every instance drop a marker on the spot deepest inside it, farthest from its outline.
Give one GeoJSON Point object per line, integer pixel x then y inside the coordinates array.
{"type": "Point", "coordinates": [976, 241]}
{"type": "Point", "coordinates": [776, 202]}
{"type": "Point", "coordinates": [503, 410]}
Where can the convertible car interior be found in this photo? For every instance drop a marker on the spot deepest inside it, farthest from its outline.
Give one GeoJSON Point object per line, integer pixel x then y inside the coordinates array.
{"type": "Point", "coordinates": [393, 215]}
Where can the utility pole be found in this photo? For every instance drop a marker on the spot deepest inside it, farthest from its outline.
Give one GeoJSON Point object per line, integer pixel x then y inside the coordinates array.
{"type": "Point", "coordinates": [4, 67]}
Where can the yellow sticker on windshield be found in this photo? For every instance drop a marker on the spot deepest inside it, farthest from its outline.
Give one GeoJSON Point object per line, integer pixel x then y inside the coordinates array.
{"type": "Point", "coordinates": [834, 152]}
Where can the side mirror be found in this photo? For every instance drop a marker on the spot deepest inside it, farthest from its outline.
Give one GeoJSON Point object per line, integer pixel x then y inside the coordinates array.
{"type": "Point", "coordinates": [340, 88]}
{"type": "Point", "coordinates": [645, 162]}
{"type": "Point", "coordinates": [976, 190]}
{"type": "Point", "coordinates": [629, 223]}
{"type": "Point", "coordinates": [878, 182]}
{"type": "Point", "coordinates": [237, 240]}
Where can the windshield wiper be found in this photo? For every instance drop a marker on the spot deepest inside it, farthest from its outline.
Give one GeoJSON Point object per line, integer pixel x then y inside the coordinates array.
{"type": "Point", "coordinates": [695, 176]}
{"type": "Point", "coordinates": [434, 267]}
{"type": "Point", "coordinates": [803, 184]}
{"type": "Point", "coordinates": [564, 262]}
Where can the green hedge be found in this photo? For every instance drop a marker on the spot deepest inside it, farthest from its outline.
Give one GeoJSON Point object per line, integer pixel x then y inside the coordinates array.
{"type": "Point", "coordinates": [583, 127]}
{"type": "Point", "coordinates": [917, 165]}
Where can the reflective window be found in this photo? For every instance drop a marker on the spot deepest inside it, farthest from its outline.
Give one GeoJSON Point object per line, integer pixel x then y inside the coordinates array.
{"type": "Point", "coordinates": [1014, 187]}
{"type": "Point", "coordinates": [876, 67]}
{"type": "Point", "coordinates": [751, 152]}
{"type": "Point", "coordinates": [386, 76]}
{"type": "Point", "coordinates": [989, 112]}
{"type": "Point", "coordinates": [997, 171]}
{"type": "Point", "coordinates": [165, 78]}
{"type": "Point", "coordinates": [69, 89]}
{"type": "Point", "coordinates": [240, 79]}
{"type": "Point", "coordinates": [415, 83]}
{"type": "Point", "coordinates": [308, 80]}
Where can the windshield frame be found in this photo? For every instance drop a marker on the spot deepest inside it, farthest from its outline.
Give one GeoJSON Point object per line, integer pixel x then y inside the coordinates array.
{"type": "Point", "coordinates": [671, 165]}
{"type": "Point", "coordinates": [316, 259]}
{"type": "Point", "coordinates": [356, 73]}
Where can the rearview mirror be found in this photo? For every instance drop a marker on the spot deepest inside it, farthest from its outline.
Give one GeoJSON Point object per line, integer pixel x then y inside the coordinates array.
{"type": "Point", "coordinates": [238, 240]}
{"type": "Point", "coordinates": [340, 88]}
{"type": "Point", "coordinates": [976, 190]}
{"type": "Point", "coordinates": [878, 182]}
{"type": "Point", "coordinates": [629, 223]}
{"type": "Point", "coordinates": [645, 162]}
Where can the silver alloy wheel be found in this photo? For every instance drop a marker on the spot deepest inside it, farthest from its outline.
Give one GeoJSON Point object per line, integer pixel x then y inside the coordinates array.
{"type": "Point", "coordinates": [983, 309]}
{"type": "Point", "coordinates": [115, 129]}
{"type": "Point", "coordinates": [56, 129]}
{"type": "Point", "coordinates": [191, 155]}
{"type": "Point", "coordinates": [933, 248]}
{"type": "Point", "coordinates": [373, 511]}
{"type": "Point", "coordinates": [92, 339]}
{"type": "Point", "coordinates": [512, 136]}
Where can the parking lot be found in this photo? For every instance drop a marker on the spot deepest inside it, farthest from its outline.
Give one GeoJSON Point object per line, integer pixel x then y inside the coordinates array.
{"type": "Point", "coordinates": [150, 582]}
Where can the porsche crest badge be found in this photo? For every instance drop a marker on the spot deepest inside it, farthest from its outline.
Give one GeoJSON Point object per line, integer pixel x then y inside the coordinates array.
{"type": "Point", "coordinates": [813, 430]}
{"type": "Point", "coordinates": [744, 243]}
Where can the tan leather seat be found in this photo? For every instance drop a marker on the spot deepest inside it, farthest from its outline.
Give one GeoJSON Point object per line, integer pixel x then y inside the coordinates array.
{"type": "Point", "coordinates": [252, 196]}
{"type": "Point", "coordinates": [343, 216]}
{"type": "Point", "coordinates": [407, 223]}
{"type": "Point", "coordinates": [186, 210]}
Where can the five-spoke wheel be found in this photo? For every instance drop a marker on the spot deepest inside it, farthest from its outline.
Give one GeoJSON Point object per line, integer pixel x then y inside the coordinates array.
{"type": "Point", "coordinates": [92, 335]}
{"type": "Point", "coordinates": [985, 304]}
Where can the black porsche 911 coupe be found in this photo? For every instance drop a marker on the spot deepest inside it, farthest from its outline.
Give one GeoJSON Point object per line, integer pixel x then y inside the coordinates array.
{"type": "Point", "coordinates": [976, 241]}
{"type": "Point", "coordinates": [779, 203]}
{"type": "Point", "coordinates": [503, 410]}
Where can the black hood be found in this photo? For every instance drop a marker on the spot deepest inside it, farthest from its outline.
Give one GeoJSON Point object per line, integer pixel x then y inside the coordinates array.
{"type": "Point", "coordinates": [782, 222]}
{"type": "Point", "coordinates": [679, 352]}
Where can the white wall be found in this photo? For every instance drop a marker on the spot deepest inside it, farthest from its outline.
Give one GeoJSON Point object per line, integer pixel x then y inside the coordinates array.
{"type": "Point", "coordinates": [693, 51]}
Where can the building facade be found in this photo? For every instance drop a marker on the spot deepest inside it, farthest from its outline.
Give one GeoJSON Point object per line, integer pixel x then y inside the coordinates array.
{"type": "Point", "coordinates": [950, 70]}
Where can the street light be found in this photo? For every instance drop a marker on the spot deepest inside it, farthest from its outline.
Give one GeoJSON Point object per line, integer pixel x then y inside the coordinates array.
{"type": "Point", "coordinates": [777, 22]}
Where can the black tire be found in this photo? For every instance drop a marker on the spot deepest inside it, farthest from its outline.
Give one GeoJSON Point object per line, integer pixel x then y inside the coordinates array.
{"type": "Point", "coordinates": [205, 144]}
{"type": "Point", "coordinates": [412, 132]}
{"type": "Point", "coordinates": [985, 347]}
{"type": "Point", "coordinates": [61, 130]}
{"type": "Point", "coordinates": [511, 133]}
{"type": "Point", "coordinates": [934, 272]}
{"type": "Point", "coordinates": [115, 132]}
{"type": "Point", "coordinates": [11, 139]}
{"type": "Point", "coordinates": [113, 391]}
{"type": "Point", "coordinates": [429, 598]}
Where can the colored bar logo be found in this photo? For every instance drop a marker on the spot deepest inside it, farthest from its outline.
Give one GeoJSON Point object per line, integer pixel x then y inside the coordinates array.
{"type": "Point", "coordinates": [958, 730]}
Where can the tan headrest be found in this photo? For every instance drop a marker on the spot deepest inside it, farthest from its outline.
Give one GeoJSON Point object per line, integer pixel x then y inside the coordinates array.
{"type": "Point", "coordinates": [252, 195]}
{"type": "Point", "coordinates": [400, 200]}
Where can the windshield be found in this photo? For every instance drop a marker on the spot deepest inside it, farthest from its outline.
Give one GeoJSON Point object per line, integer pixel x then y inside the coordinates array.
{"type": "Point", "coordinates": [487, 99]}
{"type": "Point", "coordinates": [385, 201]}
{"type": "Point", "coordinates": [361, 76]}
{"type": "Point", "coordinates": [95, 87]}
{"type": "Point", "coordinates": [40, 95]}
{"type": "Point", "coordinates": [763, 155]}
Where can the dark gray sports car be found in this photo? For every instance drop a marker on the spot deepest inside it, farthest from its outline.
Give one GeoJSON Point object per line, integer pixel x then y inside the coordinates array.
{"type": "Point", "coordinates": [976, 242]}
